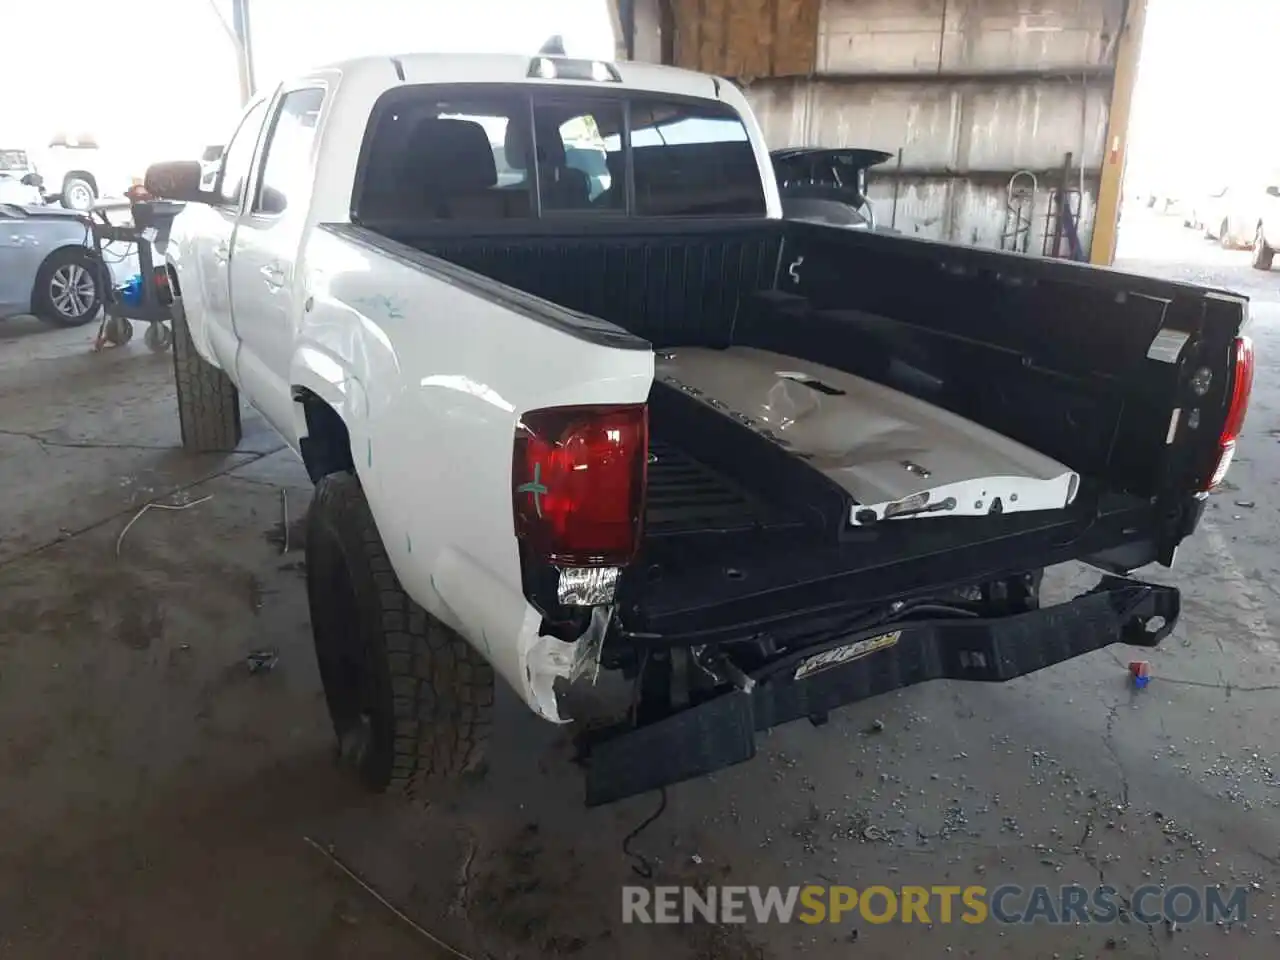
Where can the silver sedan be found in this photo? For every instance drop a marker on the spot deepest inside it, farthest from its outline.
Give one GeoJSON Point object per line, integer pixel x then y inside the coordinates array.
{"type": "Point", "coordinates": [48, 265]}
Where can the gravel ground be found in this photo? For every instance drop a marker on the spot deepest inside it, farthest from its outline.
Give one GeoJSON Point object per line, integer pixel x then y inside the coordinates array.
{"type": "Point", "coordinates": [157, 795]}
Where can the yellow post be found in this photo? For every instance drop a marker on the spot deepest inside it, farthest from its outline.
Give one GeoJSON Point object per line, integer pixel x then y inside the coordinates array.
{"type": "Point", "coordinates": [1106, 222]}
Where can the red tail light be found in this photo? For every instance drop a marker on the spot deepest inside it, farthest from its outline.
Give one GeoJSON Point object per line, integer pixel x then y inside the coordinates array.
{"type": "Point", "coordinates": [578, 481]}
{"type": "Point", "coordinates": [1241, 386]}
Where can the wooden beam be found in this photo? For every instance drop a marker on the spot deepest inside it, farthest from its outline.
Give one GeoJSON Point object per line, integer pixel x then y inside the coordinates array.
{"type": "Point", "coordinates": [747, 39]}
{"type": "Point", "coordinates": [795, 38]}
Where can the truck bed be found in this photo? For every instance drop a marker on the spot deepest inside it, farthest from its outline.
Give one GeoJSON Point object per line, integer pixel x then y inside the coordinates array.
{"type": "Point", "coordinates": [1058, 358]}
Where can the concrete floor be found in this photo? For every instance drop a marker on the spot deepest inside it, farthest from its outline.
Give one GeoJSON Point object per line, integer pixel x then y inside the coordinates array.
{"type": "Point", "coordinates": [156, 795]}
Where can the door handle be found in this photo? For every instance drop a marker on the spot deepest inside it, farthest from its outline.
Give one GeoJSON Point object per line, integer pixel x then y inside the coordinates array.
{"type": "Point", "coordinates": [221, 252]}
{"type": "Point", "coordinates": [273, 275]}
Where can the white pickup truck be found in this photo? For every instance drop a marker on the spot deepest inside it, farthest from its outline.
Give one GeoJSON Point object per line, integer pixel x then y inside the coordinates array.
{"type": "Point", "coordinates": [628, 421]}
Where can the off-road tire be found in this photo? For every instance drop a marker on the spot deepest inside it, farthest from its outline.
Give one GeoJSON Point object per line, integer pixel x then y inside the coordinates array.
{"type": "Point", "coordinates": [208, 402]}
{"type": "Point", "coordinates": [1263, 255]}
{"type": "Point", "coordinates": [410, 700]}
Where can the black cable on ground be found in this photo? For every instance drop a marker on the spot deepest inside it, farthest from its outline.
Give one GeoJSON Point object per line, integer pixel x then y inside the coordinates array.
{"type": "Point", "coordinates": [642, 866]}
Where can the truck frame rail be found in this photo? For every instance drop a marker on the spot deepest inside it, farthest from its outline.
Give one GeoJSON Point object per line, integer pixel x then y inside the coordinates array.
{"type": "Point", "coordinates": [809, 682]}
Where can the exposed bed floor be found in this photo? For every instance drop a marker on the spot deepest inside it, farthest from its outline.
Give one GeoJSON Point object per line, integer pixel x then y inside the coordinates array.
{"type": "Point", "coordinates": [687, 496]}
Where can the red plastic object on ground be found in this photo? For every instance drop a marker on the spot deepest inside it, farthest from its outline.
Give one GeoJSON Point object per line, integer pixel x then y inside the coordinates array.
{"type": "Point", "coordinates": [1140, 670]}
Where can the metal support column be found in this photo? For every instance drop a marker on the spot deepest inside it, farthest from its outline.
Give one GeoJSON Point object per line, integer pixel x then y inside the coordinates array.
{"type": "Point", "coordinates": [1106, 221]}
{"type": "Point", "coordinates": [244, 48]}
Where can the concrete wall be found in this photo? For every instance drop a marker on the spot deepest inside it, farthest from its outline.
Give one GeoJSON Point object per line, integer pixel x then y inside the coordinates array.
{"type": "Point", "coordinates": [971, 91]}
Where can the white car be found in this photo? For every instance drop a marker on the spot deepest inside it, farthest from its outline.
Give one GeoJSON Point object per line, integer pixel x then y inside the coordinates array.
{"type": "Point", "coordinates": [626, 419]}
{"type": "Point", "coordinates": [20, 192]}
{"type": "Point", "coordinates": [1233, 213]}
{"type": "Point", "coordinates": [1266, 240]}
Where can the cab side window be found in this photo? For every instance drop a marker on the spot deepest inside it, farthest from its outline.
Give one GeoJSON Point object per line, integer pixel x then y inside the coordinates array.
{"type": "Point", "coordinates": [286, 165]}
{"type": "Point", "coordinates": [238, 157]}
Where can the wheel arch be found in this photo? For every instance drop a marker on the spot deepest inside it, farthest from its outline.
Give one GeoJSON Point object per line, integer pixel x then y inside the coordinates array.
{"type": "Point", "coordinates": [84, 175]}
{"type": "Point", "coordinates": [324, 442]}
{"type": "Point", "coordinates": [327, 402]}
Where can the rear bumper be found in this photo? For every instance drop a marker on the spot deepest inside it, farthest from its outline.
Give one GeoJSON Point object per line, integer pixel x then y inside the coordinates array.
{"type": "Point", "coordinates": [721, 731]}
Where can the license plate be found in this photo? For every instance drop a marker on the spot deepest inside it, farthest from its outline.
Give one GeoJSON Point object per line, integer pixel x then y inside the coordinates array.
{"type": "Point", "coordinates": [846, 654]}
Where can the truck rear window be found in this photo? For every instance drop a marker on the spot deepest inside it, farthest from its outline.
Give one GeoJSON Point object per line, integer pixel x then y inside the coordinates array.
{"type": "Point", "coordinates": [473, 152]}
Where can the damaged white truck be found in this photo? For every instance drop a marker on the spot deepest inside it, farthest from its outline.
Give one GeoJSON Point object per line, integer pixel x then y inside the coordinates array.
{"type": "Point", "coordinates": [577, 401]}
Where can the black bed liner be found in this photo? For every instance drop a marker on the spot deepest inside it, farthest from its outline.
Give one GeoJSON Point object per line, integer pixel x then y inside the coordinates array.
{"type": "Point", "coordinates": [1050, 354]}
{"type": "Point", "coordinates": [689, 596]}
{"type": "Point", "coordinates": [685, 496]}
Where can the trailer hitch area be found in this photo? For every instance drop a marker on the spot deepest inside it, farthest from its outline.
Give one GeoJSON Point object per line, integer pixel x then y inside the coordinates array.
{"type": "Point", "coordinates": [720, 731]}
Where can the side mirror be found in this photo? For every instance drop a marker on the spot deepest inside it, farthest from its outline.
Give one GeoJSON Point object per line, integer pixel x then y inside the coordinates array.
{"type": "Point", "coordinates": [211, 153]}
{"type": "Point", "coordinates": [1273, 191]}
{"type": "Point", "coordinates": [33, 180]}
{"type": "Point", "coordinates": [175, 180]}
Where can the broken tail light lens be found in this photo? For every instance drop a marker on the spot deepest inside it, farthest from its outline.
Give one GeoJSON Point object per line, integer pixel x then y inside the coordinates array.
{"type": "Point", "coordinates": [1241, 387]}
{"type": "Point", "coordinates": [578, 483]}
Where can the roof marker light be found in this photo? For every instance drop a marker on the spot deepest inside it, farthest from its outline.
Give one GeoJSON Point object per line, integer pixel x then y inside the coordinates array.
{"type": "Point", "coordinates": [560, 68]}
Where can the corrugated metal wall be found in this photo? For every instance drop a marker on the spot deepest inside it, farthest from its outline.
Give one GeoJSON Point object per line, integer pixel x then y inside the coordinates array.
{"type": "Point", "coordinates": [971, 91]}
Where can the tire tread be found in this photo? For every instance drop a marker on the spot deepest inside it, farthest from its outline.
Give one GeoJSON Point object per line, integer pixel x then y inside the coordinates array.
{"type": "Point", "coordinates": [208, 402]}
{"type": "Point", "coordinates": [441, 687]}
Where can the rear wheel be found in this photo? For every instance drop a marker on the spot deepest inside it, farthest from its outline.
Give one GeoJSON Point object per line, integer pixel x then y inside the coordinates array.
{"type": "Point", "coordinates": [1262, 254]}
{"type": "Point", "coordinates": [68, 289]}
{"type": "Point", "coordinates": [208, 402]}
{"type": "Point", "coordinates": [411, 701]}
{"type": "Point", "coordinates": [78, 194]}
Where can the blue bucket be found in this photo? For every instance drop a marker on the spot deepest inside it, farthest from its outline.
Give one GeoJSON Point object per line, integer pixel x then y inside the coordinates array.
{"type": "Point", "coordinates": [130, 292]}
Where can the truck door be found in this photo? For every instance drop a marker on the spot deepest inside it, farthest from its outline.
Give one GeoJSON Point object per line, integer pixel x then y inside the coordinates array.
{"type": "Point", "coordinates": [266, 292]}
{"type": "Point", "coordinates": [217, 231]}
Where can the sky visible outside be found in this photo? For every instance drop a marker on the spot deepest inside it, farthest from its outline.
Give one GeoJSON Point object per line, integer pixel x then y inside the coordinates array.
{"type": "Point", "coordinates": [156, 79]}
{"type": "Point", "coordinates": [1208, 92]}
